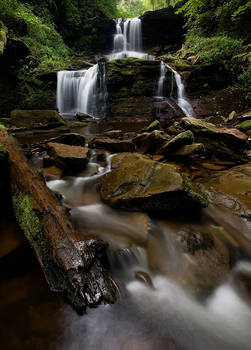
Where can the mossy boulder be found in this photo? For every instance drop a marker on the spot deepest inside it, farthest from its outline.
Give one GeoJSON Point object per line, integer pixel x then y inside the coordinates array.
{"type": "Point", "coordinates": [139, 183]}
{"type": "Point", "coordinates": [184, 138]}
{"type": "Point", "coordinates": [245, 126]}
{"type": "Point", "coordinates": [153, 126]}
{"type": "Point", "coordinates": [36, 119]}
{"type": "Point", "coordinates": [231, 137]}
{"type": "Point", "coordinates": [70, 158]}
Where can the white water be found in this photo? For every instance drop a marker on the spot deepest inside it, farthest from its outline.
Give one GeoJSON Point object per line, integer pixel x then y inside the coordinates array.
{"type": "Point", "coordinates": [85, 91]}
{"type": "Point", "coordinates": [182, 99]}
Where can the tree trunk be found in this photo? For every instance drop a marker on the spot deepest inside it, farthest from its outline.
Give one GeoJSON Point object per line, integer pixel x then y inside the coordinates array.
{"type": "Point", "coordinates": [73, 264]}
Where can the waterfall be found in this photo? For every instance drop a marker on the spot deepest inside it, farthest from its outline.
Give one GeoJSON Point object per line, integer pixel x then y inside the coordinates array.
{"type": "Point", "coordinates": [161, 83]}
{"type": "Point", "coordinates": [82, 91]}
{"type": "Point", "coordinates": [127, 41]}
{"type": "Point", "coordinates": [182, 99]}
{"type": "Point", "coordinates": [85, 91]}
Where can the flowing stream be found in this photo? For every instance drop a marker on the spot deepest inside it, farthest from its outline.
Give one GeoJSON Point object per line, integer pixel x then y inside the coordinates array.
{"type": "Point", "coordinates": [85, 91]}
{"type": "Point", "coordinates": [167, 298]}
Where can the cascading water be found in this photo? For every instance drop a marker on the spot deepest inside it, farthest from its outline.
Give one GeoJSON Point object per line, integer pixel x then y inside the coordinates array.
{"type": "Point", "coordinates": [82, 91]}
{"type": "Point", "coordinates": [182, 99]}
{"type": "Point", "coordinates": [85, 91]}
{"type": "Point", "coordinates": [127, 41]}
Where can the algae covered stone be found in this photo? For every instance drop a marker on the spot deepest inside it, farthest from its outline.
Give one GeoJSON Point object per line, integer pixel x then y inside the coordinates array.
{"type": "Point", "coordinates": [36, 118]}
{"type": "Point", "coordinates": [138, 183]}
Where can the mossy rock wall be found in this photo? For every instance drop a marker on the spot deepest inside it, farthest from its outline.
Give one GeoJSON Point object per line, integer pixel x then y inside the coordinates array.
{"type": "Point", "coordinates": [131, 85]}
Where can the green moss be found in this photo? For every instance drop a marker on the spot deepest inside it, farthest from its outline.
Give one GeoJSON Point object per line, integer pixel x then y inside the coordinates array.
{"type": "Point", "coordinates": [26, 217]}
{"type": "Point", "coordinates": [245, 126]}
{"type": "Point", "coordinates": [3, 36]}
{"type": "Point", "coordinates": [194, 192]}
{"type": "Point", "coordinates": [78, 125]}
{"type": "Point", "coordinates": [153, 126]}
{"type": "Point", "coordinates": [2, 127]}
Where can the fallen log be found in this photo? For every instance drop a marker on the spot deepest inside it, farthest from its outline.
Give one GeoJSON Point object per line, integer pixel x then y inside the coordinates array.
{"type": "Point", "coordinates": [73, 264]}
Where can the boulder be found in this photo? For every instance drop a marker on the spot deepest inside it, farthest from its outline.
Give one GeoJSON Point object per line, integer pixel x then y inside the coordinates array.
{"type": "Point", "coordinates": [190, 150]}
{"type": "Point", "coordinates": [140, 138]}
{"type": "Point", "coordinates": [245, 125]}
{"type": "Point", "coordinates": [184, 138]}
{"type": "Point", "coordinates": [168, 110]}
{"type": "Point", "coordinates": [112, 145]}
{"type": "Point", "coordinates": [72, 139]}
{"type": "Point", "coordinates": [152, 142]}
{"type": "Point", "coordinates": [36, 119]}
{"type": "Point", "coordinates": [139, 183]}
{"type": "Point", "coordinates": [161, 28]}
{"type": "Point", "coordinates": [231, 137]}
{"type": "Point", "coordinates": [114, 133]}
{"type": "Point", "coordinates": [69, 158]}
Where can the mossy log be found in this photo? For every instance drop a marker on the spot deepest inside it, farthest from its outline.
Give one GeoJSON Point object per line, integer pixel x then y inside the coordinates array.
{"type": "Point", "coordinates": [73, 264]}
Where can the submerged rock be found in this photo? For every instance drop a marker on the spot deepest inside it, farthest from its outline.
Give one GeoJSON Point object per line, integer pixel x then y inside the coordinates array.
{"type": "Point", "coordinates": [138, 183]}
{"type": "Point", "coordinates": [36, 119]}
{"type": "Point", "coordinates": [70, 158]}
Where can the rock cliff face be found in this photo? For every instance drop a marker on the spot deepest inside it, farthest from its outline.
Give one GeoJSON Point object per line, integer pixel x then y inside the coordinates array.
{"type": "Point", "coordinates": [162, 27]}
{"type": "Point", "coordinates": [131, 85]}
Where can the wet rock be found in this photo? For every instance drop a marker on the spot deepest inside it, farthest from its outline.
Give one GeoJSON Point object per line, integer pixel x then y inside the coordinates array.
{"type": "Point", "coordinates": [216, 120]}
{"type": "Point", "coordinates": [184, 138]}
{"type": "Point", "coordinates": [245, 116]}
{"type": "Point", "coordinates": [167, 111]}
{"type": "Point", "coordinates": [153, 141]}
{"type": "Point", "coordinates": [52, 173]}
{"type": "Point", "coordinates": [112, 145]}
{"type": "Point", "coordinates": [232, 116]}
{"type": "Point", "coordinates": [72, 139]}
{"type": "Point", "coordinates": [190, 150]}
{"type": "Point", "coordinates": [144, 277]}
{"type": "Point", "coordinates": [175, 128]}
{"type": "Point", "coordinates": [114, 133]}
{"type": "Point", "coordinates": [245, 126]}
{"type": "Point", "coordinates": [36, 119]}
{"type": "Point", "coordinates": [69, 158]}
{"type": "Point", "coordinates": [139, 139]}
{"type": "Point", "coordinates": [231, 137]}
{"type": "Point", "coordinates": [138, 183]}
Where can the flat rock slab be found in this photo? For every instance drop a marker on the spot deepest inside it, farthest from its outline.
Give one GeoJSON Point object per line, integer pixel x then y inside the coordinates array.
{"type": "Point", "coordinates": [112, 145]}
{"type": "Point", "coordinates": [36, 118]}
{"type": "Point", "coordinates": [139, 183]}
{"type": "Point", "coordinates": [184, 138]}
{"type": "Point", "coordinates": [70, 158]}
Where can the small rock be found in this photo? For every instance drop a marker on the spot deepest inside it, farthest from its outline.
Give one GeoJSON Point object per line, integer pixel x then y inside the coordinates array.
{"type": "Point", "coordinates": [190, 150]}
{"type": "Point", "coordinates": [114, 133]}
{"type": "Point", "coordinates": [232, 116]}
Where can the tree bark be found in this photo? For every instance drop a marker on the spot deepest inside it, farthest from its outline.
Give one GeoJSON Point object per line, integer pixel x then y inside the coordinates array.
{"type": "Point", "coordinates": [73, 264]}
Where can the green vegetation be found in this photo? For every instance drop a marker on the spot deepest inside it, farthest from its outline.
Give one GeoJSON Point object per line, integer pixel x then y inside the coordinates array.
{"type": "Point", "coordinates": [26, 217]}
